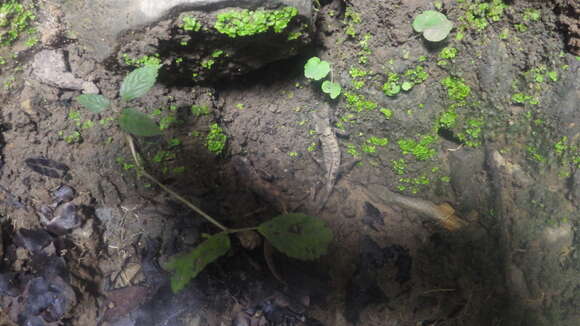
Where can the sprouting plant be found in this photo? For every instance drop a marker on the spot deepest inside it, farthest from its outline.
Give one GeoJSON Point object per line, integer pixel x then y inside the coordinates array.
{"type": "Point", "coordinates": [434, 25]}
{"type": "Point", "coordinates": [317, 69]}
{"type": "Point", "coordinates": [387, 113]}
{"type": "Point", "coordinates": [531, 14]}
{"type": "Point", "coordinates": [351, 19]}
{"type": "Point", "coordinates": [448, 53]}
{"type": "Point", "coordinates": [15, 19]}
{"type": "Point", "coordinates": [216, 139]}
{"type": "Point", "coordinates": [457, 90]}
{"type": "Point", "coordinates": [136, 84]}
{"type": "Point", "coordinates": [190, 24]}
{"type": "Point", "coordinates": [421, 149]}
{"type": "Point", "coordinates": [392, 87]}
{"type": "Point", "coordinates": [297, 235]}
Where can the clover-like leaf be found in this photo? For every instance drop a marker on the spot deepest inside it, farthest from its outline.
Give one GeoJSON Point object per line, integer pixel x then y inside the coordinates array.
{"type": "Point", "coordinates": [139, 82]}
{"type": "Point", "coordinates": [138, 123]}
{"type": "Point", "coordinates": [316, 69]}
{"type": "Point", "coordinates": [332, 89]}
{"type": "Point", "coordinates": [93, 102]}
{"type": "Point", "coordinates": [433, 24]}
{"type": "Point", "coordinates": [187, 266]}
{"type": "Point", "coordinates": [297, 235]}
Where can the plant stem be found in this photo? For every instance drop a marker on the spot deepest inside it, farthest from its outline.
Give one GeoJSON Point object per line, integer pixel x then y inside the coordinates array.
{"type": "Point", "coordinates": [186, 202]}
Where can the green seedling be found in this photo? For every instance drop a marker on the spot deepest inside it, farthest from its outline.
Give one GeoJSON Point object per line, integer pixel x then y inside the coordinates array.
{"type": "Point", "coordinates": [351, 19]}
{"type": "Point", "coordinates": [359, 103]}
{"type": "Point", "coordinates": [135, 85]}
{"type": "Point", "coordinates": [421, 150]}
{"type": "Point", "coordinates": [392, 86]}
{"type": "Point", "coordinates": [317, 69]}
{"type": "Point", "coordinates": [387, 113]}
{"type": "Point", "coordinates": [434, 25]}
{"type": "Point", "coordinates": [216, 139]}
{"type": "Point", "coordinates": [457, 90]}
{"type": "Point", "coordinates": [521, 98]}
{"type": "Point", "coordinates": [15, 19]}
{"type": "Point", "coordinates": [190, 24]}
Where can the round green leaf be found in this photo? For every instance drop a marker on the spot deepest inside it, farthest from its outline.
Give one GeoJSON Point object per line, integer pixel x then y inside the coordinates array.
{"type": "Point", "coordinates": [297, 235]}
{"type": "Point", "coordinates": [438, 33]}
{"type": "Point", "coordinates": [316, 69]}
{"type": "Point", "coordinates": [433, 24]}
{"type": "Point", "coordinates": [332, 89]}
{"type": "Point", "coordinates": [138, 124]}
{"type": "Point", "coordinates": [187, 266]}
{"type": "Point", "coordinates": [139, 82]}
{"type": "Point", "coordinates": [93, 102]}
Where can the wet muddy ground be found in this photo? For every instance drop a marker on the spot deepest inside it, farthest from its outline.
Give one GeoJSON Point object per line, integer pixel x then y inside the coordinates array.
{"type": "Point", "coordinates": [482, 230]}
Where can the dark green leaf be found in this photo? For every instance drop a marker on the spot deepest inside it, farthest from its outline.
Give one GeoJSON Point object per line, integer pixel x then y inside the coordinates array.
{"type": "Point", "coordinates": [139, 82]}
{"type": "Point", "coordinates": [93, 102]}
{"type": "Point", "coordinates": [297, 235]}
{"type": "Point", "coordinates": [138, 124]}
{"type": "Point", "coordinates": [186, 266]}
{"type": "Point", "coordinates": [316, 69]}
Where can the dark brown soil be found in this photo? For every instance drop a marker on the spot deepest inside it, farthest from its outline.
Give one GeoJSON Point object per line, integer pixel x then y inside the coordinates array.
{"type": "Point", "coordinates": [515, 262]}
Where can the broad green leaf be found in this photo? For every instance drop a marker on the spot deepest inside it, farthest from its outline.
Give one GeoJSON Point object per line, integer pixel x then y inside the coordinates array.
{"type": "Point", "coordinates": [332, 89]}
{"type": "Point", "coordinates": [433, 24]}
{"type": "Point", "coordinates": [187, 266]}
{"type": "Point", "coordinates": [93, 102]}
{"type": "Point", "coordinates": [139, 82]}
{"type": "Point", "coordinates": [316, 69]}
{"type": "Point", "coordinates": [138, 123]}
{"type": "Point", "coordinates": [438, 33]}
{"type": "Point", "coordinates": [297, 235]}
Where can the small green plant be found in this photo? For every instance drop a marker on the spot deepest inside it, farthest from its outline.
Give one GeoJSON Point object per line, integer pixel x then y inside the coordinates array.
{"type": "Point", "coordinates": [448, 118]}
{"type": "Point", "coordinates": [420, 150]}
{"type": "Point", "coordinates": [434, 25]}
{"type": "Point", "coordinates": [152, 60]}
{"type": "Point", "coordinates": [351, 19]}
{"type": "Point", "coordinates": [392, 87]}
{"type": "Point", "coordinates": [208, 63]}
{"type": "Point", "coordinates": [531, 14]}
{"type": "Point", "coordinates": [359, 103]}
{"type": "Point", "coordinates": [399, 166]}
{"type": "Point", "coordinates": [199, 110]}
{"type": "Point", "coordinates": [216, 139]}
{"type": "Point", "coordinates": [457, 90]}
{"type": "Point", "coordinates": [522, 98]}
{"type": "Point", "coordinates": [136, 84]}
{"type": "Point", "coordinates": [317, 69]}
{"type": "Point", "coordinates": [387, 113]}
{"type": "Point", "coordinates": [190, 24]}
{"type": "Point", "coordinates": [245, 22]}
{"type": "Point", "coordinates": [15, 19]}
{"type": "Point", "coordinates": [479, 14]}
{"type": "Point", "coordinates": [448, 53]}
{"type": "Point", "coordinates": [377, 141]}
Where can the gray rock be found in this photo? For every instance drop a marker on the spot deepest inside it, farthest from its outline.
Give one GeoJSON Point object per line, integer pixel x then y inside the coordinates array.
{"type": "Point", "coordinates": [49, 67]}
{"type": "Point", "coordinates": [146, 27]}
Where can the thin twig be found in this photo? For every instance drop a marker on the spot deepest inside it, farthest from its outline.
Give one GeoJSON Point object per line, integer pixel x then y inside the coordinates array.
{"type": "Point", "coordinates": [186, 202]}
